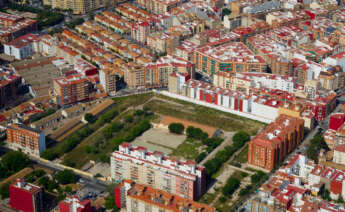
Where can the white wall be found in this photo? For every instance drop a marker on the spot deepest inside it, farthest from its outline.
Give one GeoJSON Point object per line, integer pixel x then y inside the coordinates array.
{"type": "Point", "coordinates": [224, 109]}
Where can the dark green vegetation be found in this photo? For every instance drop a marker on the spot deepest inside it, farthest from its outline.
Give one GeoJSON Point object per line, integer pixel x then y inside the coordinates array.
{"type": "Point", "coordinates": [72, 141]}
{"type": "Point", "coordinates": [214, 164]}
{"type": "Point", "coordinates": [12, 162]}
{"type": "Point", "coordinates": [45, 18]}
{"type": "Point", "coordinates": [314, 147]}
{"type": "Point", "coordinates": [232, 184]}
{"type": "Point", "coordinates": [119, 124]}
{"type": "Point", "coordinates": [75, 22]}
{"type": "Point", "coordinates": [176, 128]}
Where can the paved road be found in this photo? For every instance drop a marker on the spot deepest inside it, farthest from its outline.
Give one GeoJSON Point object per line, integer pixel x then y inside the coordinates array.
{"type": "Point", "coordinates": [91, 182]}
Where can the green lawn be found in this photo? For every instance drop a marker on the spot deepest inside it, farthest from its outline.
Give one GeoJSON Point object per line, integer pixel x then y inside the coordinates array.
{"type": "Point", "coordinates": [122, 103]}
{"type": "Point", "coordinates": [204, 115]}
{"type": "Point", "coordinates": [242, 157]}
{"type": "Point", "coordinates": [187, 150]}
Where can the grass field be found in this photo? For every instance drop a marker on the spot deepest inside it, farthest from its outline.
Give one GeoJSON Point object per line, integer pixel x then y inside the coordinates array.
{"type": "Point", "coordinates": [188, 150]}
{"type": "Point", "coordinates": [203, 115]}
{"type": "Point", "coordinates": [242, 157]}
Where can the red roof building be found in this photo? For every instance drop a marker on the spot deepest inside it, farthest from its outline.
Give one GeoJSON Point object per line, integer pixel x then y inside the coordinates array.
{"type": "Point", "coordinates": [26, 197]}
{"type": "Point", "coordinates": [273, 143]}
{"type": "Point", "coordinates": [74, 204]}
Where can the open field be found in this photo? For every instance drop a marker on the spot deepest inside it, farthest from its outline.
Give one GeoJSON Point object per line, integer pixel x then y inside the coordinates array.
{"type": "Point", "coordinates": [159, 140]}
{"type": "Point", "coordinates": [188, 150]}
{"type": "Point", "coordinates": [242, 157]}
{"type": "Point", "coordinates": [203, 115]}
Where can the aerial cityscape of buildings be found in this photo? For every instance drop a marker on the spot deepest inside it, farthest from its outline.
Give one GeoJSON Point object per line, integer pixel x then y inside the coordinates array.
{"type": "Point", "coordinates": [172, 105]}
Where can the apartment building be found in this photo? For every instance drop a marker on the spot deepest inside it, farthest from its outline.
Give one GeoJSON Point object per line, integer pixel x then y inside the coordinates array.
{"type": "Point", "coordinates": [74, 204]}
{"type": "Point", "coordinates": [109, 79]}
{"type": "Point", "coordinates": [10, 84]}
{"type": "Point", "coordinates": [247, 80]}
{"type": "Point", "coordinates": [156, 74]}
{"type": "Point", "coordinates": [160, 7]}
{"type": "Point", "coordinates": [135, 197]}
{"type": "Point", "coordinates": [140, 32]}
{"type": "Point", "coordinates": [273, 143]}
{"type": "Point", "coordinates": [228, 57]}
{"type": "Point", "coordinates": [185, 179]}
{"type": "Point", "coordinates": [72, 89]}
{"type": "Point", "coordinates": [79, 6]}
{"type": "Point", "coordinates": [25, 196]}
{"type": "Point", "coordinates": [22, 47]}
{"type": "Point", "coordinates": [13, 26]}
{"type": "Point", "coordinates": [26, 139]}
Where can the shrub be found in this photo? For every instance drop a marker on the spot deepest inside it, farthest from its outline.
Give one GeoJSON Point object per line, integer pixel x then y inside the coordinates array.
{"type": "Point", "coordinates": [65, 177]}
{"type": "Point", "coordinates": [176, 128]}
{"type": "Point", "coordinates": [258, 176]}
{"type": "Point", "coordinates": [200, 157]}
{"type": "Point", "coordinates": [89, 117]}
{"type": "Point", "coordinates": [240, 138]}
{"type": "Point", "coordinates": [230, 187]}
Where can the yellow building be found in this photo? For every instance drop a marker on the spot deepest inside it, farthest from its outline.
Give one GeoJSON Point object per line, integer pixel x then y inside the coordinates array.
{"type": "Point", "coordinates": [79, 6]}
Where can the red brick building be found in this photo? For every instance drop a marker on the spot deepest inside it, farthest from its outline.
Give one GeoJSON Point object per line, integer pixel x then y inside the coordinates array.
{"type": "Point", "coordinates": [26, 197]}
{"type": "Point", "coordinates": [273, 143]}
{"type": "Point", "coordinates": [72, 89]}
{"type": "Point", "coordinates": [26, 139]}
{"type": "Point", "coordinates": [74, 204]}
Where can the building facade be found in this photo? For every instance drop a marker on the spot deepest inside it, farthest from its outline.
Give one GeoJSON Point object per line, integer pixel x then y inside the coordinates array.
{"type": "Point", "coordinates": [26, 197]}
{"type": "Point", "coordinates": [74, 204]}
{"type": "Point", "coordinates": [109, 80]}
{"type": "Point", "coordinates": [22, 47]}
{"type": "Point", "coordinates": [273, 143]}
{"type": "Point", "coordinates": [228, 57]}
{"type": "Point", "coordinates": [72, 89]}
{"type": "Point", "coordinates": [184, 179]}
{"type": "Point", "coordinates": [10, 84]}
{"type": "Point", "coordinates": [13, 26]}
{"type": "Point", "coordinates": [78, 6]}
{"type": "Point", "coordinates": [26, 139]}
{"type": "Point", "coordinates": [134, 197]}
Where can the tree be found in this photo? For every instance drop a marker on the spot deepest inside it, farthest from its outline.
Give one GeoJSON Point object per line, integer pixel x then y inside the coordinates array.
{"type": "Point", "coordinates": [326, 195]}
{"type": "Point", "coordinates": [4, 190]}
{"type": "Point", "coordinates": [258, 176]}
{"type": "Point", "coordinates": [14, 161]}
{"type": "Point", "coordinates": [89, 117]}
{"type": "Point", "coordinates": [104, 158]}
{"type": "Point", "coordinates": [110, 202]}
{"type": "Point", "coordinates": [314, 147]}
{"type": "Point", "coordinates": [240, 138]}
{"type": "Point", "coordinates": [65, 177]}
{"type": "Point", "coordinates": [230, 187]}
{"type": "Point", "coordinates": [226, 11]}
{"type": "Point", "coordinates": [68, 189]}
{"type": "Point", "coordinates": [91, 16]}
{"type": "Point", "coordinates": [200, 157]}
{"type": "Point", "coordinates": [176, 128]}
{"type": "Point", "coordinates": [129, 118]}
{"type": "Point", "coordinates": [139, 112]}
{"type": "Point", "coordinates": [244, 191]}
{"type": "Point", "coordinates": [98, 175]}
